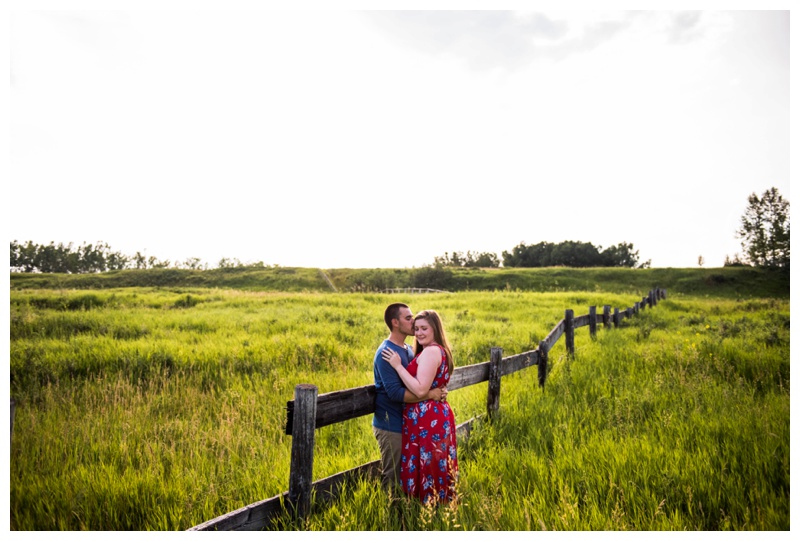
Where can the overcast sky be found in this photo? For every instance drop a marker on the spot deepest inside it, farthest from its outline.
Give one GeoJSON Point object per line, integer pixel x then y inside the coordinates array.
{"type": "Point", "coordinates": [383, 139]}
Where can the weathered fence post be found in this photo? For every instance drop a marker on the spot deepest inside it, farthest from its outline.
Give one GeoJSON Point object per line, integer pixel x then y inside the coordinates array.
{"type": "Point", "coordinates": [593, 321]}
{"type": "Point", "coordinates": [569, 331]}
{"type": "Point", "coordinates": [664, 294]}
{"type": "Point", "coordinates": [636, 308]}
{"type": "Point", "coordinates": [493, 396]}
{"type": "Point", "coordinates": [628, 312]}
{"type": "Point", "coordinates": [616, 317]}
{"type": "Point", "coordinates": [655, 296]}
{"type": "Point", "coordinates": [607, 316]}
{"type": "Point", "coordinates": [302, 461]}
{"type": "Point", "coordinates": [542, 366]}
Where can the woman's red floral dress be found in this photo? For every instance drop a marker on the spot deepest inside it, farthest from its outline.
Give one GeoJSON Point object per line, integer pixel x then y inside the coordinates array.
{"type": "Point", "coordinates": [428, 464]}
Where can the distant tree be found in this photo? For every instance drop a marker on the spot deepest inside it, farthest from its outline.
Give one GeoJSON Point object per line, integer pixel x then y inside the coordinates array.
{"type": "Point", "coordinates": [470, 259]}
{"type": "Point", "coordinates": [571, 254]}
{"type": "Point", "coordinates": [92, 258]}
{"type": "Point", "coordinates": [764, 230]}
{"type": "Point", "coordinates": [700, 261]}
{"type": "Point", "coordinates": [117, 261]}
{"type": "Point", "coordinates": [52, 258]}
{"type": "Point", "coordinates": [528, 255]}
{"type": "Point", "coordinates": [15, 259]}
{"type": "Point", "coordinates": [154, 263]}
{"type": "Point", "coordinates": [621, 255]}
{"type": "Point", "coordinates": [575, 254]}
{"type": "Point", "coordinates": [139, 261]}
{"type": "Point", "coordinates": [23, 256]}
{"type": "Point", "coordinates": [234, 263]}
{"type": "Point", "coordinates": [735, 262]}
{"type": "Point", "coordinates": [484, 259]}
{"type": "Point", "coordinates": [59, 258]}
{"type": "Point", "coordinates": [193, 263]}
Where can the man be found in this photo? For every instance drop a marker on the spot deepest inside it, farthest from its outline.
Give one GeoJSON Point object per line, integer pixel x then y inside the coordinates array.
{"type": "Point", "coordinates": [387, 423]}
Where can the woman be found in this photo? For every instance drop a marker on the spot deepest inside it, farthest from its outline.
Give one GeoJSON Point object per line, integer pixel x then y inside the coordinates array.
{"type": "Point", "coordinates": [428, 464]}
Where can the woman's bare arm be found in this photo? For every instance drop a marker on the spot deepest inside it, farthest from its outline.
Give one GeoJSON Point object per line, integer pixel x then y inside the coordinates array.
{"type": "Point", "coordinates": [428, 363]}
{"type": "Point", "coordinates": [438, 394]}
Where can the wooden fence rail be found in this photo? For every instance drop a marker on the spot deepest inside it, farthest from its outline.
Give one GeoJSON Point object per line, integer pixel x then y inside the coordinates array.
{"type": "Point", "coordinates": [309, 411]}
{"type": "Point", "coordinates": [413, 290]}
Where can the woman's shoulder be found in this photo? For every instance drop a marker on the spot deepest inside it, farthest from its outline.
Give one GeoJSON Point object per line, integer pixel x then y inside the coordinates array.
{"type": "Point", "coordinates": [432, 352]}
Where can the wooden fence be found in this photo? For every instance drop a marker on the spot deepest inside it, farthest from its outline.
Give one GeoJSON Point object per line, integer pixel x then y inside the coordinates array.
{"type": "Point", "coordinates": [413, 290]}
{"type": "Point", "coordinates": [309, 411]}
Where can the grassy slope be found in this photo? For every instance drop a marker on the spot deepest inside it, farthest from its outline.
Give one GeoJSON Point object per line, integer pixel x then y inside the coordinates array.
{"type": "Point", "coordinates": [244, 278]}
{"type": "Point", "coordinates": [729, 282]}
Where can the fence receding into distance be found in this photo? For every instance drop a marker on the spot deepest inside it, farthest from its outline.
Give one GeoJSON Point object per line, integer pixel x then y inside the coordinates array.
{"type": "Point", "coordinates": [413, 290]}
{"type": "Point", "coordinates": [309, 411]}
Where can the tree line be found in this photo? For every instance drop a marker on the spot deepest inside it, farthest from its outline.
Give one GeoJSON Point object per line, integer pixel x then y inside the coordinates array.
{"type": "Point", "coordinates": [97, 257]}
{"type": "Point", "coordinates": [573, 254]}
{"type": "Point", "coordinates": [764, 230]}
{"type": "Point", "coordinates": [548, 254]}
{"type": "Point", "coordinates": [86, 258]}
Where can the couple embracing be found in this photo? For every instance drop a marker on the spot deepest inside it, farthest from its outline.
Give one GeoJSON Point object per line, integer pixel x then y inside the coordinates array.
{"type": "Point", "coordinates": [413, 423]}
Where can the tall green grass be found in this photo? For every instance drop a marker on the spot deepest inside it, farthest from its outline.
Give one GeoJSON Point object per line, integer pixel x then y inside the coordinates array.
{"type": "Point", "coordinates": [162, 408]}
{"type": "Point", "coordinates": [670, 424]}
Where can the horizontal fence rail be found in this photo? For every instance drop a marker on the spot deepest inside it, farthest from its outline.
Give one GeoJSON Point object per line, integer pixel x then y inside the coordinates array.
{"type": "Point", "coordinates": [338, 406]}
{"type": "Point", "coordinates": [413, 290]}
{"type": "Point", "coordinates": [309, 411]}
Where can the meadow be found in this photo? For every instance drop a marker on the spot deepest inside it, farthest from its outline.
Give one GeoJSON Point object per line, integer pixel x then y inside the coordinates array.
{"type": "Point", "coordinates": [727, 282]}
{"type": "Point", "coordinates": [161, 408]}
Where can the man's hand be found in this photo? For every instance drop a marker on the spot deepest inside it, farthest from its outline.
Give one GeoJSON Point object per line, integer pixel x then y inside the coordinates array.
{"type": "Point", "coordinates": [439, 395]}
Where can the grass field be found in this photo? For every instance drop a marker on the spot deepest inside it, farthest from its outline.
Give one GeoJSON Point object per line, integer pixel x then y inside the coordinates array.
{"type": "Point", "coordinates": [727, 282]}
{"type": "Point", "coordinates": [160, 408]}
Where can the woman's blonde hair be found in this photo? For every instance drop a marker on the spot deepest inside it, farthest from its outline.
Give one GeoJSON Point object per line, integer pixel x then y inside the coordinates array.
{"type": "Point", "coordinates": [439, 336]}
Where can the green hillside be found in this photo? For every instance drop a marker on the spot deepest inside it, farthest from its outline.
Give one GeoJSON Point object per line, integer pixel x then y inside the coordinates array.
{"type": "Point", "coordinates": [728, 282]}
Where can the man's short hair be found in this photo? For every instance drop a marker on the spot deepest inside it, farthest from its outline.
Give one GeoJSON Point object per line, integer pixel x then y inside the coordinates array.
{"type": "Point", "coordinates": [393, 312]}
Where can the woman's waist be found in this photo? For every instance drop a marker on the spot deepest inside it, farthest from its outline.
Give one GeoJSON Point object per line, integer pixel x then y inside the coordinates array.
{"type": "Point", "coordinates": [428, 405]}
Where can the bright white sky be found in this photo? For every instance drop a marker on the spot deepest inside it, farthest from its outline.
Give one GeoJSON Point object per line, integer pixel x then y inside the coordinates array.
{"type": "Point", "coordinates": [383, 139]}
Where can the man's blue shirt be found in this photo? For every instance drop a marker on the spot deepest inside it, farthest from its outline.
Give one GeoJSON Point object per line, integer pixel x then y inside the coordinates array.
{"type": "Point", "coordinates": [389, 388]}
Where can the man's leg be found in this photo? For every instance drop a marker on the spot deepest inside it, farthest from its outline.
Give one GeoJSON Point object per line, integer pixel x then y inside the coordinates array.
{"type": "Point", "coordinates": [390, 444]}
